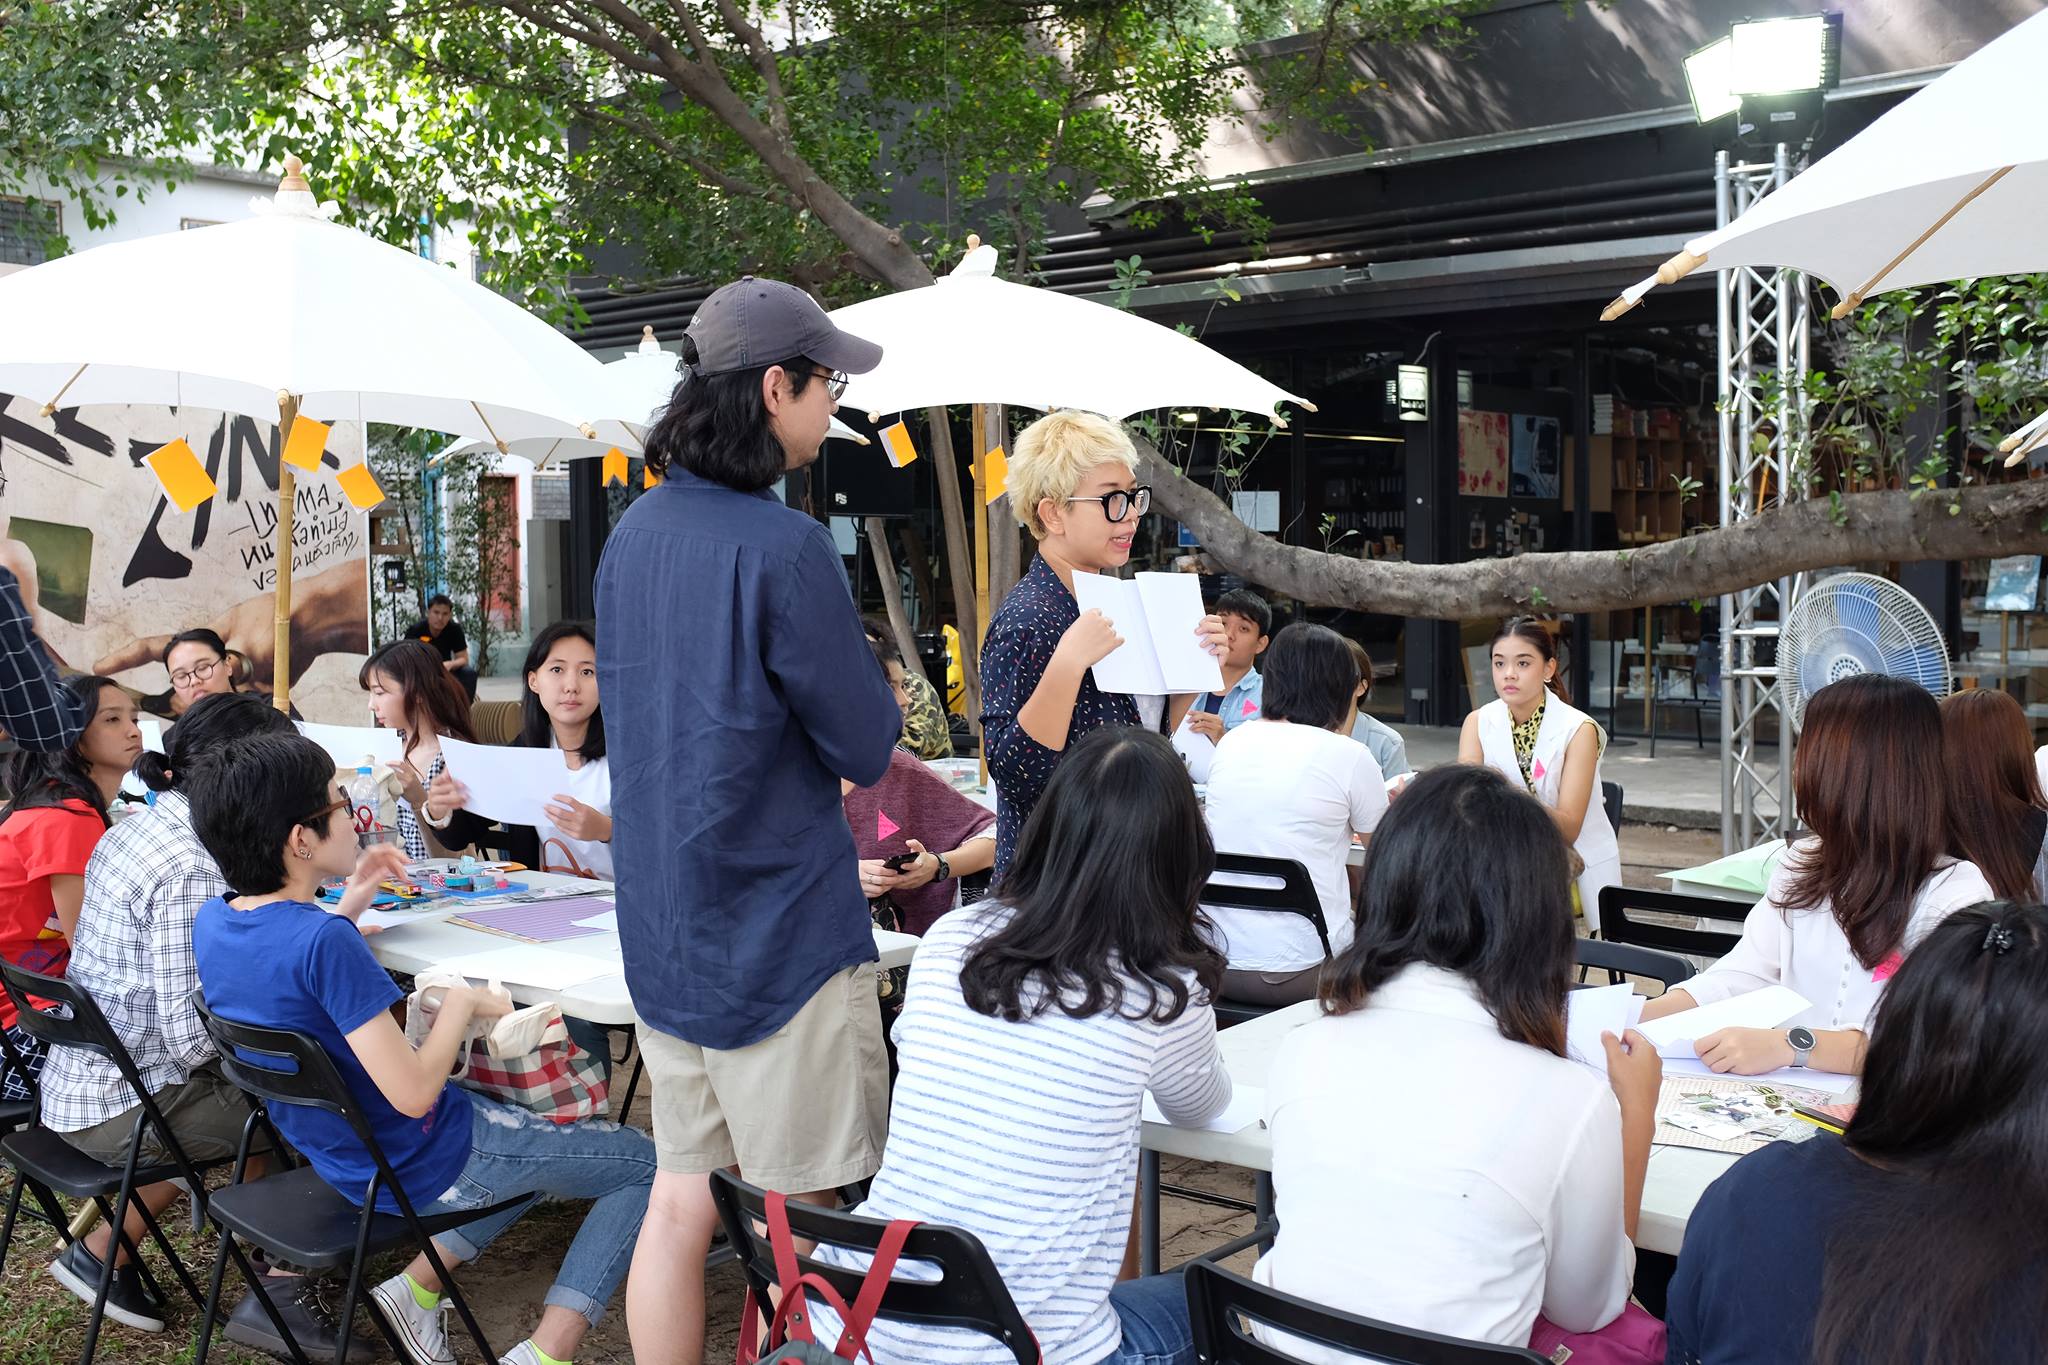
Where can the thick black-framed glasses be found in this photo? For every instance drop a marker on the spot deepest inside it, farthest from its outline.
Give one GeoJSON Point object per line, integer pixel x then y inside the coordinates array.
{"type": "Point", "coordinates": [835, 382]}
{"type": "Point", "coordinates": [1118, 503]}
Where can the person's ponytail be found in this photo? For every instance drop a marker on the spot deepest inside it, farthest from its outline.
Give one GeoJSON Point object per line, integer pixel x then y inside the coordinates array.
{"type": "Point", "coordinates": [154, 770]}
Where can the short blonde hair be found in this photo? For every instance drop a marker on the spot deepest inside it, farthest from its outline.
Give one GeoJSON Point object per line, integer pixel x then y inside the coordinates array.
{"type": "Point", "coordinates": [1055, 453]}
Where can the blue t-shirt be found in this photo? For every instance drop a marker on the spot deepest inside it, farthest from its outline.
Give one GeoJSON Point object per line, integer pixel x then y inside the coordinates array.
{"type": "Point", "coordinates": [290, 965]}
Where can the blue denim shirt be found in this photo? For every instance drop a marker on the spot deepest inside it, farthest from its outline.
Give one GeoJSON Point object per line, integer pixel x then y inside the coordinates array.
{"type": "Point", "coordinates": [738, 690]}
{"type": "Point", "coordinates": [1240, 703]}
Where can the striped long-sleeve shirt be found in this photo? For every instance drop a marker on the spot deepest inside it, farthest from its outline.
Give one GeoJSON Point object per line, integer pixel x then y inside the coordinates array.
{"type": "Point", "coordinates": [1026, 1135]}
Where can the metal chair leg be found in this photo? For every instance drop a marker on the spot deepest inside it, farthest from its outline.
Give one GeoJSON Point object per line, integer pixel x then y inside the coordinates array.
{"type": "Point", "coordinates": [1148, 1213]}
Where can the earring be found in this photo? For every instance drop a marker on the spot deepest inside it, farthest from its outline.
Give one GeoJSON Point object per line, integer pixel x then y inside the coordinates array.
{"type": "Point", "coordinates": [303, 852]}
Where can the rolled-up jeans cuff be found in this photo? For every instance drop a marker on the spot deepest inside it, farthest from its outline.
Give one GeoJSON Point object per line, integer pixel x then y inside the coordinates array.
{"type": "Point", "coordinates": [560, 1296]}
{"type": "Point", "coordinates": [455, 1244]}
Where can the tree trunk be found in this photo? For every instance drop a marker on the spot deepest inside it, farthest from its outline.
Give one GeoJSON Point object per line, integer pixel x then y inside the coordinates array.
{"type": "Point", "coordinates": [1005, 548]}
{"type": "Point", "coordinates": [959, 568]}
{"type": "Point", "coordinates": [919, 558]}
{"type": "Point", "coordinates": [1999, 519]}
{"type": "Point", "coordinates": [892, 597]}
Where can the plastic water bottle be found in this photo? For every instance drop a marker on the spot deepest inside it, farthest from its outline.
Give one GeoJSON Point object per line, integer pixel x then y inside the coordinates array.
{"type": "Point", "coordinates": [363, 799]}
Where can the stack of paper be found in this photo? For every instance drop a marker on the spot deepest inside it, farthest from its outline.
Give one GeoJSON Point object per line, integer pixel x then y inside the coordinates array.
{"type": "Point", "coordinates": [1674, 1034]}
{"type": "Point", "coordinates": [1593, 1010]}
{"type": "Point", "coordinates": [1157, 614]}
{"type": "Point", "coordinates": [349, 745]}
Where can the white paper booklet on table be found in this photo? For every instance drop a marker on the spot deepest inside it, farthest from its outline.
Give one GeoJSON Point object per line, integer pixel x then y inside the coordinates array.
{"type": "Point", "coordinates": [1674, 1034]}
{"type": "Point", "coordinates": [506, 783]}
{"type": "Point", "coordinates": [1156, 613]}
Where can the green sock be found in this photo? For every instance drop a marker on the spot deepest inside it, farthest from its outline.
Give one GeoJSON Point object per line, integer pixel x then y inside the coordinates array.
{"type": "Point", "coordinates": [543, 1357]}
{"type": "Point", "coordinates": [425, 1298]}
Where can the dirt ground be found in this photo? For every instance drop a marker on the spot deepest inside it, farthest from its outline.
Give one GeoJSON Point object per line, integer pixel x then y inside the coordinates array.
{"type": "Point", "coordinates": [42, 1324]}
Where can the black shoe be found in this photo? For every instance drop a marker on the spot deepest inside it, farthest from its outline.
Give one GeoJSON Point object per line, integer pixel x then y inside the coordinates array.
{"type": "Point", "coordinates": [128, 1298]}
{"type": "Point", "coordinates": [309, 1308]}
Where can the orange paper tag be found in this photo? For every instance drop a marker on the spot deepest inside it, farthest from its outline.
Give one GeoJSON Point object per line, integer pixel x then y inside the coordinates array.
{"type": "Point", "coordinates": [185, 481]}
{"type": "Point", "coordinates": [615, 466]}
{"type": "Point", "coordinates": [360, 487]}
{"type": "Point", "coordinates": [897, 446]}
{"type": "Point", "coordinates": [648, 478]}
{"type": "Point", "coordinates": [995, 475]}
{"type": "Point", "coordinates": [304, 447]}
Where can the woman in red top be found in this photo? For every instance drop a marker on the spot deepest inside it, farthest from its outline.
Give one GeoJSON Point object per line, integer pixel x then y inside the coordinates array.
{"type": "Point", "coordinates": [55, 816]}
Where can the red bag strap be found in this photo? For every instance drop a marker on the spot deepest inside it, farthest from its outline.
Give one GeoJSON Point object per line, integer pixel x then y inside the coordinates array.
{"type": "Point", "coordinates": [572, 868]}
{"type": "Point", "coordinates": [790, 1321]}
{"type": "Point", "coordinates": [873, 1287]}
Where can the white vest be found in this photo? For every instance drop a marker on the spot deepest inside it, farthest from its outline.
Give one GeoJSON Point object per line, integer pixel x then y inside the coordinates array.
{"type": "Point", "coordinates": [1596, 844]}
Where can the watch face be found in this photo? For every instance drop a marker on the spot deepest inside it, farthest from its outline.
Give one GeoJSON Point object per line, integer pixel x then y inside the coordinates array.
{"type": "Point", "coordinates": [1801, 1040]}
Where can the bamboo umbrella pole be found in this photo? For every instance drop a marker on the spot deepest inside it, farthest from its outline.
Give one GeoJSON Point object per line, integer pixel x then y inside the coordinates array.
{"type": "Point", "coordinates": [287, 499]}
{"type": "Point", "coordinates": [979, 428]}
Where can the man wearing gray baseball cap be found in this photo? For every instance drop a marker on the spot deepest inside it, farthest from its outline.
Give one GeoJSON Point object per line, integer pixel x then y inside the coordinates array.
{"type": "Point", "coordinates": [741, 690]}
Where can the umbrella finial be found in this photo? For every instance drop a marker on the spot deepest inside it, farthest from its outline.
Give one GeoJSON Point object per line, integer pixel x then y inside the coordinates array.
{"type": "Point", "coordinates": [973, 240]}
{"type": "Point", "coordinates": [294, 175]}
{"type": "Point", "coordinates": [648, 345]}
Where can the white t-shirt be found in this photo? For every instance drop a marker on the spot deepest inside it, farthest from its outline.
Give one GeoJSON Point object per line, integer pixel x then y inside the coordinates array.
{"type": "Point", "coordinates": [1281, 790]}
{"type": "Point", "coordinates": [1454, 1181]}
{"type": "Point", "coordinates": [592, 785]}
{"type": "Point", "coordinates": [1026, 1135]}
{"type": "Point", "coordinates": [1805, 949]}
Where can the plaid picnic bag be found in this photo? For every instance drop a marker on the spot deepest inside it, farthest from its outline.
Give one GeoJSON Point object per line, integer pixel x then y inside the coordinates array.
{"type": "Point", "coordinates": [526, 1059]}
{"type": "Point", "coordinates": [789, 1336]}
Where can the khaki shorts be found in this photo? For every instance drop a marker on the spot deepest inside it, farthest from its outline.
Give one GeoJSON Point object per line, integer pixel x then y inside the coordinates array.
{"type": "Point", "coordinates": [804, 1109]}
{"type": "Point", "coordinates": [206, 1112]}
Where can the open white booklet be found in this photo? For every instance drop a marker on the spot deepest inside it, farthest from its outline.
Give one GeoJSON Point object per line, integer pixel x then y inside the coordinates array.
{"type": "Point", "coordinates": [1157, 614]}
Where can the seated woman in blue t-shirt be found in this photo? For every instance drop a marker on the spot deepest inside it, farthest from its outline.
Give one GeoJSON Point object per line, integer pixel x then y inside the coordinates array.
{"type": "Point", "coordinates": [274, 958]}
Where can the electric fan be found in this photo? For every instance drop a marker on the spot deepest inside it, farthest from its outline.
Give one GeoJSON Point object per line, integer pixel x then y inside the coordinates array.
{"type": "Point", "coordinates": [1857, 623]}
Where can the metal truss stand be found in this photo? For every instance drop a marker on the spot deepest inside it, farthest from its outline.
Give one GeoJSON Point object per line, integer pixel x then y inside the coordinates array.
{"type": "Point", "coordinates": [1764, 347]}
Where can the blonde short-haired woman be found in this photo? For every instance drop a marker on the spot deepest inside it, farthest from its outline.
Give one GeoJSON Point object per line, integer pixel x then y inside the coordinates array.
{"type": "Point", "coordinates": [1073, 482]}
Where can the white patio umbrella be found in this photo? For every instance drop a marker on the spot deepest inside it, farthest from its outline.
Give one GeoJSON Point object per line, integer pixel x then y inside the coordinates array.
{"type": "Point", "coordinates": [972, 338]}
{"type": "Point", "coordinates": [1951, 183]}
{"type": "Point", "coordinates": [640, 384]}
{"type": "Point", "coordinates": [286, 314]}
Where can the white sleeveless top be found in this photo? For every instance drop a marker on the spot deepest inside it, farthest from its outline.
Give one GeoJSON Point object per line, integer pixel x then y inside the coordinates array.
{"type": "Point", "coordinates": [1596, 844]}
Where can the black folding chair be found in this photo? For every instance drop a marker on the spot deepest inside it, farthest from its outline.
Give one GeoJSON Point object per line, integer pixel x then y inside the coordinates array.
{"type": "Point", "coordinates": [296, 1216]}
{"type": "Point", "coordinates": [968, 1294]}
{"type": "Point", "coordinates": [1296, 895]}
{"type": "Point", "coordinates": [1222, 1306]}
{"type": "Point", "coordinates": [16, 1115]}
{"type": "Point", "coordinates": [1610, 797]}
{"type": "Point", "coordinates": [1625, 959]}
{"type": "Point", "coordinates": [1617, 925]}
{"type": "Point", "coordinates": [60, 1013]}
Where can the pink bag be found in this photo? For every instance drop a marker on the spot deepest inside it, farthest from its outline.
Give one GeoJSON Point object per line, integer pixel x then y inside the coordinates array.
{"type": "Point", "coordinates": [1634, 1338]}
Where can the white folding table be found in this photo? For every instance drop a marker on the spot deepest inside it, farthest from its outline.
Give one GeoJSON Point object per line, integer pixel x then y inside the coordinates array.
{"type": "Point", "coordinates": [1677, 1177]}
{"type": "Point", "coordinates": [429, 939]}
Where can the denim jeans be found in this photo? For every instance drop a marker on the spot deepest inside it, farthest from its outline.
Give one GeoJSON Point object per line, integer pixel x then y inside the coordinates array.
{"type": "Point", "coordinates": [1154, 1315]}
{"type": "Point", "coordinates": [513, 1153]}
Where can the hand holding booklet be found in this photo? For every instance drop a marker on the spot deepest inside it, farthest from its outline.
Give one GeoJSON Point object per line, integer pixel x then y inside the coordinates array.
{"type": "Point", "coordinates": [1157, 615]}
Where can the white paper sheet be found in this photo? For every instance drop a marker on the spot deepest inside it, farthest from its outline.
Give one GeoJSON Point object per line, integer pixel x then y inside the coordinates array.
{"type": "Point", "coordinates": [1767, 1008]}
{"type": "Point", "coordinates": [1156, 613]}
{"type": "Point", "coordinates": [532, 964]}
{"type": "Point", "coordinates": [1196, 750]}
{"type": "Point", "coordinates": [1247, 1106]}
{"type": "Point", "coordinates": [513, 785]}
{"type": "Point", "coordinates": [1593, 1010]}
{"type": "Point", "coordinates": [152, 742]}
{"type": "Point", "coordinates": [1798, 1077]}
{"type": "Point", "coordinates": [608, 920]}
{"type": "Point", "coordinates": [348, 744]}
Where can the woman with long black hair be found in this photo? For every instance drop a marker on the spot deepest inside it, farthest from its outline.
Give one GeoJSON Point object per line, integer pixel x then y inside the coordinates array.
{"type": "Point", "coordinates": [1035, 1022]}
{"type": "Point", "coordinates": [1916, 1236]}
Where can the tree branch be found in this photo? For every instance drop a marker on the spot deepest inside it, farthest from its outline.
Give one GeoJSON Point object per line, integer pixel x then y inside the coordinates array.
{"type": "Point", "coordinates": [763, 58]}
{"type": "Point", "coordinates": [1999, 519]}
{"type": "Point", "coordinates": [590, 37]}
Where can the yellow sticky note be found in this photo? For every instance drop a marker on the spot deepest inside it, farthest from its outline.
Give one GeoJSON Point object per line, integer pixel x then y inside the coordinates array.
{"type": "Point", "coordinates": [995, 475]}
{"type": "Point", "coordinates": [648, 478]}
{"type": "Point", "coordinates": [304, 447]}
{"type": "Point", "coordinates": [185, 480]}
{"type": "Point", "coordinates": [360, 487]}
{"type": "Point", "coordinates": [896, 445]}
{"type": "Point", "coordinates": [615, 466]}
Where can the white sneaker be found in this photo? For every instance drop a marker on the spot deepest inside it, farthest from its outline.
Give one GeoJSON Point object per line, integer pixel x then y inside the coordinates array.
{"type": "Point", "coordinates": [423, 1332]}
{"type": "Point", "coordinates": [522, 1354]}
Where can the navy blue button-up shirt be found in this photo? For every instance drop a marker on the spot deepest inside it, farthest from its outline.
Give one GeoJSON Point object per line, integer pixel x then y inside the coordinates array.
{"type": "Point", "coordinates": [1022, 636]}
{"type": "Point", "coordinates": [738, 690]}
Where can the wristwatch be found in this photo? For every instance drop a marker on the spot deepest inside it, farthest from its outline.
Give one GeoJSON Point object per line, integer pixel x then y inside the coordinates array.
{"type": "Point", "coordinates": [1802, 1045]}
{"type": "Point", "coordinates": [945, 872]}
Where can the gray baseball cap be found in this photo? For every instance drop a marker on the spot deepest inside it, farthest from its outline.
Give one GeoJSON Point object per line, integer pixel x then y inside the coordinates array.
{"type": "Point", "coordinates": [752, 322]}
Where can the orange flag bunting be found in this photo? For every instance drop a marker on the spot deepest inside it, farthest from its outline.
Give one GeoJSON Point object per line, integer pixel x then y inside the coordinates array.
{"type": "Point", "coordinates": [185, 481]}
{"type": "Point", "coordinates": [648, 478]}
{"type": "Point", "coordinates": [615, 466]}
{"type": "Point", "coordinates": [995, 475]}
{"type": "Point", "coordinates": [897, 446]}
{"type": "Point", "coordinates": [360, 487]}
{"type": "Point", "coordinates": [304, 447]}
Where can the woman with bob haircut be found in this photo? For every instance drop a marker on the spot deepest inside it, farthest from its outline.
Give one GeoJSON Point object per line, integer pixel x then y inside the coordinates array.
{"type": "Point", "coordinates": [1035, 1022]}
{"type": "Point", "coordinates": [1994, 793]}
{"type": "Point", "coordinates": [1532, 735]}
{"type": "Point", "coordinates": [1074, 484]}
{"type": "Point", "coordinates": [1848, 903]}
{"type": "Point", "coordinates": [1454, 986]}
{"type": "Point", "coordinates": [1293, 784]}
{"type": "Point", "coordinates": [1917, 1235]}
{"type": "Point", "coordinates": [411, 693]}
